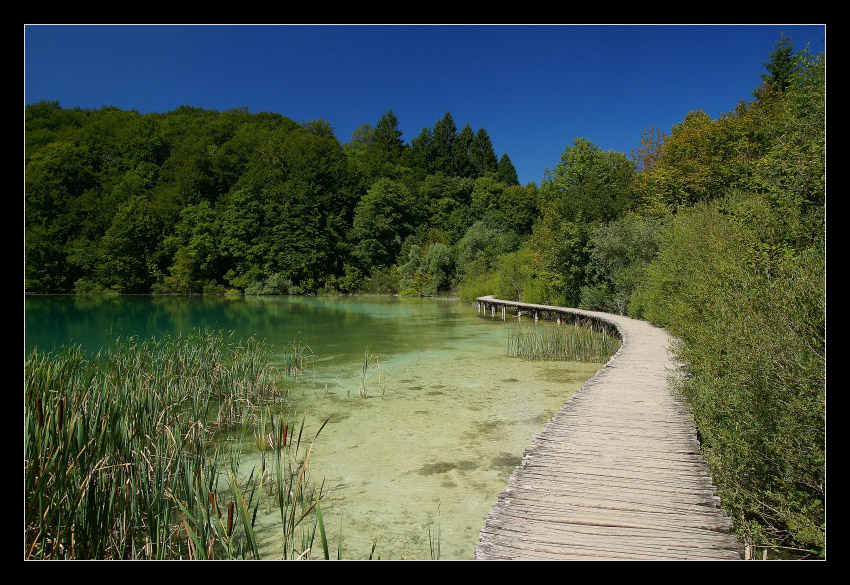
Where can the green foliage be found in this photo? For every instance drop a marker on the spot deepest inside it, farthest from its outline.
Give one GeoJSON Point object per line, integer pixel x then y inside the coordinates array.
{"type": "Point", "coordinates": [387, 137]}
{"type": "Point", "coordinates": [197, 257]}
{"type": "Point", "coordinates": [382, 221]}
{"type": "Point", "coordinates": [561, 255]}
{"type": "Point", "coordinates": [202, 201]}
{"type": "Point", "coordinates": [126, 262]}
{"type": "Point", "coordinates": [427, 270]}
{"type": "Point", "coordinates": [620, 253]}
{"type": "Point", "coordinates": [589, 184]}
{"type": "Point", "coordinates": [510, 208]}
{"type": "Point", "coordinates": [482, 157]}
{"type": "Point", "coordinates": [781, 65]}
{"type": "Point", "coordinates": [462, 165]}
{"type": "Point", "coordinates": [480, 248]}
{"type": "Point", "coordinates": [381, 281]}
{"type": "Point", "coordinates": [512, 276]}
{"type": "Point", "coordinates": [444, 135]}
{"type": "Point", "coordinates": [506, 172]}
{"type": "Point", "coordinates": [749, 308]}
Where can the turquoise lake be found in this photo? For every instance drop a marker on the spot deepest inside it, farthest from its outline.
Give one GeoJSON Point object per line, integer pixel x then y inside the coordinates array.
{"type": "Point", "coordinates": [445, 422]}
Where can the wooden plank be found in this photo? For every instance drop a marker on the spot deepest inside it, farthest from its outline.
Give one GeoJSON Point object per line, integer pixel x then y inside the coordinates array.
{"type": "Point", "coordinates": [617, 472]}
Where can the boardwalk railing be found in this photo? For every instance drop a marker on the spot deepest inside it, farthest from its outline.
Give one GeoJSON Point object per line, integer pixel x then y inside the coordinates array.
{"type": "Point", "coordinates": [617, 473]}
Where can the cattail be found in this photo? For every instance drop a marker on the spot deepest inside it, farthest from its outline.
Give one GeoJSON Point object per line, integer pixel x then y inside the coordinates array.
{"type": "Point", "coordinates": [229, 518]}
{"type": "Point", "coordinates": [39, 413]}
{"type": "Point", "coordinates": [214, 505]}
{"type": "Point", "coordinates": [285, 429]}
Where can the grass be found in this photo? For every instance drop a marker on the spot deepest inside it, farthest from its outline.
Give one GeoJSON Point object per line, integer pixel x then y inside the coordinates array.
{"type": "Point", "coordinates": [566, 342]}
{"type": "Point", "coordinates": [137, 452]}
{"type": "Point", "coordinates": [368, 360]}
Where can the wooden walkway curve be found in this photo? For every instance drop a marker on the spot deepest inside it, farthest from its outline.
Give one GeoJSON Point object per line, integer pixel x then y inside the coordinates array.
{"type": "Point", "coordinates": [617, 473]}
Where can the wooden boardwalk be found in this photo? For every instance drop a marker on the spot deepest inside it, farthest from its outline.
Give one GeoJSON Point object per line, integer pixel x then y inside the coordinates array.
{"type": "Point", "coordinates": [617, 473]}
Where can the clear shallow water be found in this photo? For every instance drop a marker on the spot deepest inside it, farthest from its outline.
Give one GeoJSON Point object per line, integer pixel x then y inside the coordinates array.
{"type": "Point", "coordinates": [447, 418]}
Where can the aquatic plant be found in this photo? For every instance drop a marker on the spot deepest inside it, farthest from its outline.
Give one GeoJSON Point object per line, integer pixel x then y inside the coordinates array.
{"type": "Point", "coordinates": [296, 357]}
{"type": "Point", "coordinates": [434, 539]}
{"type": "Point", "coordinates": [368, 360]}
{"type": "Point", "coordinates": [136, 452]}
{"type": "Point", "coordinates": [566, 342]}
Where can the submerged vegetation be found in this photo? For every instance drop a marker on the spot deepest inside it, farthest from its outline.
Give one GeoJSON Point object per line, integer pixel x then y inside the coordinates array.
{"type": "Point", "coordinates": [568, 343]}
{"type": "Point", "coordinates": [136, 452]}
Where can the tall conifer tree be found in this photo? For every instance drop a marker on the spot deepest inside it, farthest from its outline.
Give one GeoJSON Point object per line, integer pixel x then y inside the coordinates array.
{"type": "Point", "coordinates": [481, 153]}
{"type": "Point", "coordinates": [445, 133]}
{"type": "Point", "coordinates": [420, 155]}
{"type": "Point", "coordinates": [506, 171]}
{"type": "Point", "coordinates": [387, 136]}
{"type": "Point", "coordinates": [461, 165]}
{"type": "Point", "coordinates": [782, 64]}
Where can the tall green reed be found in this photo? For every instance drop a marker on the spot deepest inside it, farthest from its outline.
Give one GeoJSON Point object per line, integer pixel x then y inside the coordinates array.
{"type": "Point", "coordinates": [566, 342]}
{"type": "Point", "coordinates": [134, 453]}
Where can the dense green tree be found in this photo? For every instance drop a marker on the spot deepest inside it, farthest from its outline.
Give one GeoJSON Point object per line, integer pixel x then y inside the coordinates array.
{"type": "Point", "coordinates": [481, 246]}
{"type": "Point", "coordinates": [561, 253]}
{"type": "Point", "coordinates": [228, 199]}
{"type": "Point", "coordinates": [387, 137]}
{"type": "Point", "coordinates": [56, 175]}
{"type": "Point", "coordinates": [426, 271]}
{"type": "Point", "coordinates": [420, 155]}
{"type": "Point", "coordinates": [482, 157]}
{"type": "Point", "coordinates": [127, 263]}
{"type": "Point", "coordinates": [506, 172]}
{"type": "Point", "coordinates": [781, 65]}
{"type": "Point", "coordinates": [196, 243]}
{"type": "Point", "coordinates": [381, 223]}
{"type": "Point", "coordinates": [444, 135]}
{"type": "Point", "coordinates": [461, 151]}
{"type": "Point", "coordinates": [143, 142]}
{"type": "Point", "coordinates": [445, 200]}
{"type": "Point", "coordinates": [589, 184]}
{"type": "Point", "coordinates": [620, 253]}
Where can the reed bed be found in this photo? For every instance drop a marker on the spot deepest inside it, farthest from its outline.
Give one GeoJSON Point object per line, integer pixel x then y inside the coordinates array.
{"type": "Point", "coordinates": [136, 452]}
{"type": "Point", "coordinates": [566, 342]}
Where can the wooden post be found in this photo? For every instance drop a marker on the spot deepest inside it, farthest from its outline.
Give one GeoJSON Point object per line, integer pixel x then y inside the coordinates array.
{"type": "Point", "coordinates": [504, 313]}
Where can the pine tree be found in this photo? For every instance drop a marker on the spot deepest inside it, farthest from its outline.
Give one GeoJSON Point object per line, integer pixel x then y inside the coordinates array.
{"type": "Point", "coordinates": [782, 64]}
{"type": "Point", "coordinates": [506, 171]}
{"type": "Point", "coordinates": [420, 155]}
{"type": "Point", "coordinates": [387, 136]}
{"type": "Point", "coordinates": [445, 133]}
{"type": "Point", "coordinates": [481, 153]}
{"type": "Point", "coordinates": [461, 165]}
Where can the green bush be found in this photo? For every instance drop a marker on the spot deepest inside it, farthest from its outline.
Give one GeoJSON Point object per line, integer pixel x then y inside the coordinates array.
{"type": "Point", "coordinates": [746, 297]}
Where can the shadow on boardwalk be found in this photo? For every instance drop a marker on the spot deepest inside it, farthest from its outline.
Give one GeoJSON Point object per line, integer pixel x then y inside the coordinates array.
{"type": "Point", "coordinates": [617, 473]}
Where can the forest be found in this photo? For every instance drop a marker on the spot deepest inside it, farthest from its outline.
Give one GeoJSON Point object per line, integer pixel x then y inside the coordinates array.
{"type": "Point", "coordinates": [714, 229]}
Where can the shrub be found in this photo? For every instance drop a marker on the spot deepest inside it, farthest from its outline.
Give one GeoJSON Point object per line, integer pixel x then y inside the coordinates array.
{"type": "Point", "coordinates": [747, 300]}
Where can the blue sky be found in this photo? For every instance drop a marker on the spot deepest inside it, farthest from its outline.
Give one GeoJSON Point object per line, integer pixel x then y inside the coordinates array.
{"type": "Point", "coordinates": [533, 88]}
